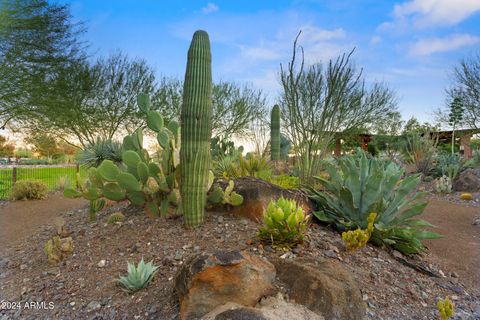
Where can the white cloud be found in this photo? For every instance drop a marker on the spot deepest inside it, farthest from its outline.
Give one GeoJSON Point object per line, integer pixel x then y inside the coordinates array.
{"type": "Point", "coordinates": [428, 46]}
{"type": "Point", "coordinates": [210, 8]}
{"type": "Point", "coordinates": [260, 53]}
{"type": "Point", "coordinates": [426, 13]}
{"type": "Point", "coordinates": [375, 40]}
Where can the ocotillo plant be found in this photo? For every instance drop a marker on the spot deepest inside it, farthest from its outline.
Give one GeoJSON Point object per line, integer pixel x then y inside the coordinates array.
{"type": "Point", "coordinates": [196, 129]}
{"type": "Point", "coordinates": [275, 133]}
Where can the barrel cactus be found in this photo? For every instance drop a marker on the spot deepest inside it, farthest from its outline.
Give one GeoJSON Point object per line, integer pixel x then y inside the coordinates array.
{"type": "Point", "coordinates": [275, 133]}
{"type": "Point", "coordinates": [196, 129]}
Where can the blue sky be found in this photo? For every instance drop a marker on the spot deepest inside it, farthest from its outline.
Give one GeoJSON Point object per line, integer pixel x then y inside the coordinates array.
{"type": "Point", "coordinates": [412, 45]}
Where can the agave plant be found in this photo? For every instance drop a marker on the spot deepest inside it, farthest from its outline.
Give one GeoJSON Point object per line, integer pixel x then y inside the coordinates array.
{"type": "Point", "coordinates": [359, 185]}
{"type": "Point", "coordinates": [284, 223]}
{"type": "Point", "coordinates": [138, 277]}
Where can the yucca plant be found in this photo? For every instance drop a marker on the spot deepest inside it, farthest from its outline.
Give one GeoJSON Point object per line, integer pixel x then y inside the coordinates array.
{"type": "Point", "coordinates": [359, 185]}
{"type": "Point", "coordinates": [138, 277]}
{"type": "Point", "coordinates": [284, 224]}
{"type": "Point", "coordinates": [94, 153]}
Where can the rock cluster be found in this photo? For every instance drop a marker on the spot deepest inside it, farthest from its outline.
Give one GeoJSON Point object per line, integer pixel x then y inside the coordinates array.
{"type": "Point", "coordinates": [231, 285]}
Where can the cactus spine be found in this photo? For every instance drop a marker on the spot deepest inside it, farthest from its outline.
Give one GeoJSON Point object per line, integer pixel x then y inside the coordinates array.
{"type": "Point", "coordinates": [275, 133]}
{"type": "Point", "coordinates": [196, 129]}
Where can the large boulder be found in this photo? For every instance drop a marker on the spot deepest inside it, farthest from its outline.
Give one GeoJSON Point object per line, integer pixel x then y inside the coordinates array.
{"type": "Point", "coordinates": [271, 308]}
{"type": "Point", "coordinates": [258, 193]}
{"type": "Point", "coordinates": [468, 180]}
{"type": "Point", "coordinates": [323, 286]}
{"type": "Point", "coordinates": [208, 281]}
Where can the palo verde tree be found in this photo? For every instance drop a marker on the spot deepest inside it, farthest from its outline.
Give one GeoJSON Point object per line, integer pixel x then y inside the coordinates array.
{"type": "Point", "coordinates": [37, 40]}
{"type": "Point", "coordinates": [234, 107]}
{"type": "Point", "coordinates": [319, 101]}
{"type": "Point", "coordinates": [85, 102]}
{"type": "Point", "coordinates": [466, 86]}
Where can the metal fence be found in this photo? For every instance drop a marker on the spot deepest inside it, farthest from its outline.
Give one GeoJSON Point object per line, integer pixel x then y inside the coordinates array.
{"type": "Point", "coordinates": [55, 177]}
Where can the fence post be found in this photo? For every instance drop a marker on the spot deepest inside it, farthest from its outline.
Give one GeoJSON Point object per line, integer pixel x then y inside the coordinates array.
{"type": "Point", "coordinates": [14, 175]}
{"type": "Point", "coordinates": [77, 166]}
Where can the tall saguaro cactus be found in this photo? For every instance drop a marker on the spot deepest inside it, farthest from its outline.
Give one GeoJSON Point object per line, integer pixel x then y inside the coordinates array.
{"type": "Point", "coordinates": [196, 129]}
{"type": "Point", "coordinates": [275, 133]}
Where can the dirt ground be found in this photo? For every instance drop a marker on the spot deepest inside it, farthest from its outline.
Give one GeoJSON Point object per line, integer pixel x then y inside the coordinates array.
{"type": "Point", "coordinates": [80, 288]}
{"type": "Point", "coordinates": [20, 219]}
{"type": "Point", "coordinates": [459, 249]}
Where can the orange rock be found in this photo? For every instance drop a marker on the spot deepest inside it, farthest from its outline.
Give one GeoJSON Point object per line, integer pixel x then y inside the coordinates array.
{"type": "Point", "coordinates": [208, 281]}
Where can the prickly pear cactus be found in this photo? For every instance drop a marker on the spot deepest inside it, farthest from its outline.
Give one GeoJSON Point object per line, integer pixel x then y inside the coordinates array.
{"type": "Point", "coordinates": [275, 133]}
{"type": "Point", "coordinates": [196, 129]}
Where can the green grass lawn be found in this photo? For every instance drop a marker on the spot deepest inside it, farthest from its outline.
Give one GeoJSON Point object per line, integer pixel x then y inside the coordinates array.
{"type": "Point", "coordinates": [51, 176]}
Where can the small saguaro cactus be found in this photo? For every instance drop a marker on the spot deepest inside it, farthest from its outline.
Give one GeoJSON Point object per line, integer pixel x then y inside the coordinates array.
{"type": "Point", "coordinates": [196, 129]}
{"type": "Point", "coordinates": [275, 133]}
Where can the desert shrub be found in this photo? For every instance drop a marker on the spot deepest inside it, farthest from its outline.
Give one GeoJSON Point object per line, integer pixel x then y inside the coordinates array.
{"type": "Point", "coordinates": [233, 167]}
{"type": "Point", "coordinates": [420, 150]}
{"type": "Point", "coordinates": [255, 166]}
{"type": "Point", "coordinates": [284, 224]}
{"type": "Point", "coordinates": [286, 181]}
{"type": "Point", "coordinates": [94, 153]}
{"type": "Point", "coordinates": [359, 185]}
{"type": "Point", "coordinates": [449, 165]}
{"type": "Point", "coordinates": [29, 189]}
{"type": "Point", "coordinates": [227, 167]}
{"type": "Point", "coordinates": [138, 277]}
{"type": "Point", "coordinates": [63, 182]}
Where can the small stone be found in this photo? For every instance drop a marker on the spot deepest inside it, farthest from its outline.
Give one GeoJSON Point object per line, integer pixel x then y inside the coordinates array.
{"type": "Point", "coordinates": [196, 249]}
{"type": "Point", "coordinates": [330, 254]}
{"type": "Point", "coordinates": [94, 305]}
{"type": "Point", "coordinates": [441, 273]}
{"type": "Point", "coordinates": [424, 295]}
{"type": "Point", "coordinates": [23, 266]}
{"type": "Point", "coordinates": [454, 274]}
{"type": "Point", "coordinates": [72, 303]}
{"type": "Point", "coordinates": [365, 297]}
{"type": "Point", "coordinates": [178, 255]}
{"type": "Point", "coordinates": [102, 263]}
{"type": "Point", "coordinates": [454, 297]}
{"type": "Point", "coordinates": [220, 219]}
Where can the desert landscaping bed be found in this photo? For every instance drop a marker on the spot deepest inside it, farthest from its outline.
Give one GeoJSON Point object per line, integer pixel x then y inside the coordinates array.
{"type": "Point", "coordinates": [85, 285]}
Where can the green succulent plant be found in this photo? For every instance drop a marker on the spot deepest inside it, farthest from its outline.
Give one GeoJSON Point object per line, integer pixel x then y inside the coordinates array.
{"type": "Point", "coordinates": [196, 129]}
{"type": "Point", "coordinates": [359, 185]}
{"type": "Point", "coordinates": [138, 277]}
{"type": "Point", "coordinates": [115, 217]}
{"type": "Point", "coordinates": [284, 223]}
{"type": "Point", "coordinates": [138, 178]}
{"type": "Point", "coordinates": [227, 196]}
{"type": "Point", "coordinates": [275, 133]}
